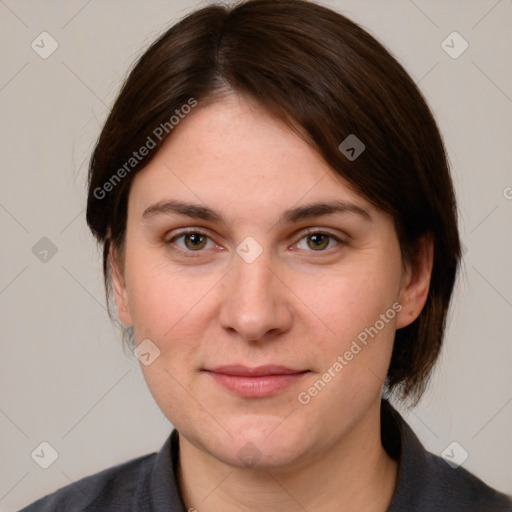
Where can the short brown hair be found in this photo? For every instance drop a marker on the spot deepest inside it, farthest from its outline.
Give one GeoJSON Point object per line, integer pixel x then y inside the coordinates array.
{"type": "Point", "coordinates": [326, 78]}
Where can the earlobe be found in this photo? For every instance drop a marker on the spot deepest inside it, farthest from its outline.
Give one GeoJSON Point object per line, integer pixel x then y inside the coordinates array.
{"type": "Point", "coordinates": [416, 282]}
{"type": "Point", "coordinates": [120, 290]}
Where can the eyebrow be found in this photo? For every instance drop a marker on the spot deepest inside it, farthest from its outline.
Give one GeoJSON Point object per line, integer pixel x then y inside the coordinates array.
{"type": "Point", "coordinates": [291, 215]}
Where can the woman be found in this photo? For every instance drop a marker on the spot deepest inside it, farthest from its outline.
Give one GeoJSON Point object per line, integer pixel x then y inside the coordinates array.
{"type": "Point", "coordinates": [279, 232]}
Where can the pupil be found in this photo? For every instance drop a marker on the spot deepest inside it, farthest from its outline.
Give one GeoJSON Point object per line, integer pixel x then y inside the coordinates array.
{"type": "Point", "coordinates": [318, 241]}
{"type": "Point", "coordinates": [195, 240]}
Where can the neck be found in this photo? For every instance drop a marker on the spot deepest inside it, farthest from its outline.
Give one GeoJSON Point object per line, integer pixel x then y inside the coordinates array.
{"type": "Point", "coordinates": [356, 473]}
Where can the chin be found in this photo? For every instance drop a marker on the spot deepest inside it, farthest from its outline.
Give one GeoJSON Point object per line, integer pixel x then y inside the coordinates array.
{"type": "Point", "coordinates": [260, 442]}
{"type": "Point", "coordinates": [262, 456]}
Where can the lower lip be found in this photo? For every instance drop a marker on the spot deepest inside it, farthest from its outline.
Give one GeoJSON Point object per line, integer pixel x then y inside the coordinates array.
{"type": "Point", "coordinates": [256, 387]}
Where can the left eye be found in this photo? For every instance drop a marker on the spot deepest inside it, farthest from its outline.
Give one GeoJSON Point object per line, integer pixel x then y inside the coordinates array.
{"type": "Point", "coordinates": [193, 241]}
{"type": "Point", "coordinates": [318, 241]}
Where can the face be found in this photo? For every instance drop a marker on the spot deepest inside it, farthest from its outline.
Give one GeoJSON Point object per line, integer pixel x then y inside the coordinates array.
{"type": "Point", "coordinates": [268, 290]}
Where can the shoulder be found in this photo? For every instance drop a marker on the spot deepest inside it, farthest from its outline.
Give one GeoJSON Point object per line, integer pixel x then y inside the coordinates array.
{"type": "Point", "coordinates": [458, 489]}
{"type": "Point", "coordinates": [426, 482]}
{"type": "Point", "coordinates": [116, 486]}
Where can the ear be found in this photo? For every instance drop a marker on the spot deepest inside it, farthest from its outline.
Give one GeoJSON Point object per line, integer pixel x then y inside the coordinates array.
{"type": "Point", "coordinates": [416, 282]}
{"type": "Point", "coordinates": [119, 287]}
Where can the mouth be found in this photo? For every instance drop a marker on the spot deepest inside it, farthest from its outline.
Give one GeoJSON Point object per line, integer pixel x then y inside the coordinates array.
{"type": "Point", "coordinates": [256, 382]}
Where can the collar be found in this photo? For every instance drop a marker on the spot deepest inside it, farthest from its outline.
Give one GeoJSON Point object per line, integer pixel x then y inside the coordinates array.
{"type": "Point", "coordinates": [159, 490]}
{"type": "Point", "coordinates": [425, 482]}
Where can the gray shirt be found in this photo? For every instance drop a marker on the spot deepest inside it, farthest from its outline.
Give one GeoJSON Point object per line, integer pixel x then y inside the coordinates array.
{"type": "Point", "coordinates": [426, 483]}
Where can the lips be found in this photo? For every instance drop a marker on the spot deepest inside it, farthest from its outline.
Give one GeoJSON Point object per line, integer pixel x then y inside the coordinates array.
{"type": "Point", "coordinates": [256, 382]}
{"type": "Point", "coordinates": [245, 371]}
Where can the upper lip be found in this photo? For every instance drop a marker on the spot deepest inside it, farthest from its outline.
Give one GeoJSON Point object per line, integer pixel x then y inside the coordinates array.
{"type": "Point", "coordinates": [269, 369]}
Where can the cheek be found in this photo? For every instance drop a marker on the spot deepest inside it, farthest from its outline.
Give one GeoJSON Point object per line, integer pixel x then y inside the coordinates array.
{"type": "Point", "coordinates": [359, 312]}
{"type": "Point", "coordinates": [350, 301]}
{"type": "Point", "coordinates": [171, 309]}
{"type": "Point", "coordinates": [170, 306]}
{"type": "Point", "coordinates": [163, 302]}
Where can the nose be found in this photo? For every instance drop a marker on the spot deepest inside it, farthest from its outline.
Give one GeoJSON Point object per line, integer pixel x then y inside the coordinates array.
{"type": "Point", "coordinates": [256, 304]}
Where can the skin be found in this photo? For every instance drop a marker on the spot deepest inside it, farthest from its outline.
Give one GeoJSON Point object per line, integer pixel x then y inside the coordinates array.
{"type": "Point", "coordinates": [295, 305]}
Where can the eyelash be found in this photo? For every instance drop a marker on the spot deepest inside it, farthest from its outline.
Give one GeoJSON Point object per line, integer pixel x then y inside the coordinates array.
{"type": "Point", "coordinates": [190, 253]}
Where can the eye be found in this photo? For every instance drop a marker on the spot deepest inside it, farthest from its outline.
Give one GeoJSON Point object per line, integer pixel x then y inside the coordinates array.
{"type": "Point", "coordinates": [318, 241]}
{"type": "Point", "coordinates": [192, 241]}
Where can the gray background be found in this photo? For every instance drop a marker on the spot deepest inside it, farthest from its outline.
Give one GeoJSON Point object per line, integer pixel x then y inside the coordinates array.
{"type": "Point", "coordinates": [64, 377]}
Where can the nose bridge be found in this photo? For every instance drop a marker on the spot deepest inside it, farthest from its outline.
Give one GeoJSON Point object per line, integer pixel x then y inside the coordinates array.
{"type": "Point", "coordinates": [253, 281]}
{"type": "Point", "coordinates": [255, 302]}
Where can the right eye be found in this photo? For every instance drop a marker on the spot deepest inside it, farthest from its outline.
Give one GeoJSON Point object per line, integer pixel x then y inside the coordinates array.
{"type": "Point", "coordinates": [191, 241]}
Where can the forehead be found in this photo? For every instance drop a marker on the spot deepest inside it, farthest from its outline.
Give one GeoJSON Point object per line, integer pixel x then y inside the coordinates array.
{"type": "Point", "coordinates": [234, 153]}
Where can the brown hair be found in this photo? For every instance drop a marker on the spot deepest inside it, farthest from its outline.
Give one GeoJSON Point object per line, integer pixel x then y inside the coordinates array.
{"type": "Point", "coordinates": [327, 78]}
